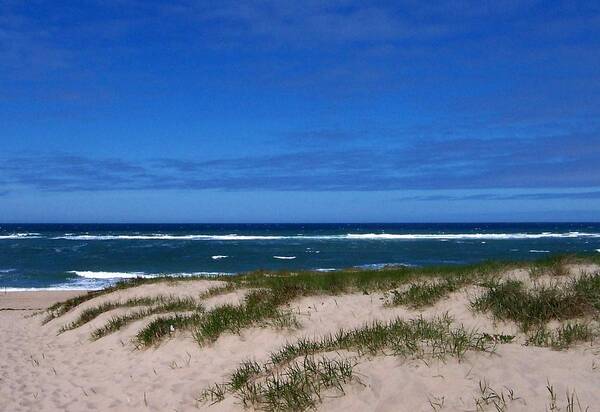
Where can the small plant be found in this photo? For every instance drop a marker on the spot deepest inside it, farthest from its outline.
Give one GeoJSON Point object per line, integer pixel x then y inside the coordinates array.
{"type": "Point", "coordinates": [572, 401]}
{"type": "Point", "coordinates": [161, 327]}
{"type": "Point", "coordinates": [490, 397]}
{"type": "Point", "coordinates": [562, 337]}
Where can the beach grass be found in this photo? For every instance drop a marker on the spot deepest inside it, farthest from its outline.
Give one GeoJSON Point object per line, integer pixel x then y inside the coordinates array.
{"type": "Point", "coordinates": [269, 293]}
{"type": "Point", "coordinates": [292, 376]}
{"type": "Point", "coordinates": [165, 303]}
{"type": "Point", "coordinates": [564, 336]}
{"type": "Point", "coordinates": [260, 307]}
{"type": "Point", "coordinates": [342, 281]}
{"type": "Point", "coordinates": [165, 306]}
{"type": "Point", "coordinates": [535, 306]}
{"type": "Point", "coordinates": [161, 327]}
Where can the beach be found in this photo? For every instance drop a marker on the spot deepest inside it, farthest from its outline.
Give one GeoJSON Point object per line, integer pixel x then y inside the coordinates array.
{"type": "Point", "coordinates": [42, 369]}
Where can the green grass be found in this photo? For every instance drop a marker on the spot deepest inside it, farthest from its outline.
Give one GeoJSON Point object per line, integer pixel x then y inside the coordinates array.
{"type": "Point", "coordinates": [554, 266]}
{"type": "Point", "coordinates": [427, 293]}
{"type": "Point", "coordinates": [564, 336]}
{"type": "Point", "coordinates": [266, 387]}
{"type": "Point", "coordinates": [165, 306]}
{"type": "Point", "coordinates": [60, 308]}
{"type": "Point", "coordinates": [311, 283]}
{"type": "Point", "coordinates": [511, 300]}
{"type": "Point", "coordinates": [92, 313]}
{"type": "Point", "coordinates": [260, 307]}
{"type": "Point", "coordinates": [269, 293]}
{"type": "Point", "coordinates": [161, 327]}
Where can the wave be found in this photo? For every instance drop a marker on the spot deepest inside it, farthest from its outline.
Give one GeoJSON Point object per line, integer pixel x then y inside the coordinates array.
{"type": "Point", "coordinates": [284, 257]}
{"type": "Point", "coordinates": [7, 270]}
{"type": "Point", "coordinates": [21, 236]}
{"type": "Point", "coordinates": [131, 275]}
{"type": "Point", "coordinates": [109, 275]}
{"type": "Point", "coordinates": [218, 257]}
{"type": "Point", "coordinates": [348, 236]}
{"type": "Point", "coordinates": [170, 237]}
{"type": "Point", "coordinates": [476, 236]}
{"type": "Point", "coordinates": [539, 251]}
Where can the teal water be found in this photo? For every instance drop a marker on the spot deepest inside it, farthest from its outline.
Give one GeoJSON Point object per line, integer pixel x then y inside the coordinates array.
{"type": "Point", "coordinates": [92, 256]}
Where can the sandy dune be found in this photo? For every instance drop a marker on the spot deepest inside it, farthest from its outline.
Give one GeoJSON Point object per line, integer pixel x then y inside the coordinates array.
{"type": "Point", "coordinates": [43, 371]}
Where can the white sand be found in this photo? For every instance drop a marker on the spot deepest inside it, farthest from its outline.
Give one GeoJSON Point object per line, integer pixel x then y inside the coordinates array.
{"type": "Point", "coordinates": [43, 371]}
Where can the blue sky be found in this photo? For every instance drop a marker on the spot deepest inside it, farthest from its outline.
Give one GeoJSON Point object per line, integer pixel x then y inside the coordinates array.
{"type": "Point", "coordinates": [270, 111]}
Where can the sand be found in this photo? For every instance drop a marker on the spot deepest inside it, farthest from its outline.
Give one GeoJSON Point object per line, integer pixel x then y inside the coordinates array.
{"type": "Point", "coordinates": [43, 371]}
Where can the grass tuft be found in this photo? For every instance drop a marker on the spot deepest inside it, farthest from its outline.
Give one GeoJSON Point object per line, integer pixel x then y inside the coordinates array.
{"type": "Point", "coordinates": [428, 293]}
{"type": "Point", "coordinates": [563, 337]}
{"type": "Point", "coordinates": [510, 300]}
{"type": "Point", "coordinates": [169, 305]}
{"type": "Point", "coordinates": [159, 328]}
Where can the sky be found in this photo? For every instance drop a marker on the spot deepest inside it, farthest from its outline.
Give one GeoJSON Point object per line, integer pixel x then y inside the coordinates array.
{"type": "Point", "coordinates": [311, 111]}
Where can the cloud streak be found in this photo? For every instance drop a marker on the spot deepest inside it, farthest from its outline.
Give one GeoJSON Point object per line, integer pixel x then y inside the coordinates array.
{"type": "Point", "coordinates": [591, 195]}
{"type": "Point", "coordinates": [509, 163]}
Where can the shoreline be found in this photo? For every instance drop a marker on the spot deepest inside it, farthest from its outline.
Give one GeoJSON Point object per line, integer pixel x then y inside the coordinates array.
{"type": "Point", "coordinates": [35, 300]}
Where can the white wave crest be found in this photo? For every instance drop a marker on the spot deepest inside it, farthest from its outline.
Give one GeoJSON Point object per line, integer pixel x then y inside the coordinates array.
{"type": "Point", "coordinates": [109, 275]}
{"type": "Point", "coordinates": [218, 257]}
{"type": "Point", "coordinates": [21, 236]}
{"type": "Point", "coordinates": [539, 251]}
{"type": "Point", "coordinates": [130, 275]}
{"type": "Point", "coordinates": [7, 270]}
{"type": "Point", "coordinates": [349, 236]}
{"type": "Point", "coordinates": [284, 257]}
{"type": "Point", "coordinates": [231, 237]}
{"type": "Point", "coordinates": [477, 236]}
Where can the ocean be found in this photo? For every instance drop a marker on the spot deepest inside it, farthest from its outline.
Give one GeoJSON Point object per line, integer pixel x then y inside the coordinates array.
{"type": "Point", "coordinates": [66, 256]}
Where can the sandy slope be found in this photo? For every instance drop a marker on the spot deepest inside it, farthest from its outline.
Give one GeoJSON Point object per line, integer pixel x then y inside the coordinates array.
{"type": "Point", "coordinates": [44, 372]}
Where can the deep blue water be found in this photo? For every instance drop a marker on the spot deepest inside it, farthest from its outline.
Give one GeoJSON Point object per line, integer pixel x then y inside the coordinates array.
{"type": "Point", "coordinates": [91, 256]}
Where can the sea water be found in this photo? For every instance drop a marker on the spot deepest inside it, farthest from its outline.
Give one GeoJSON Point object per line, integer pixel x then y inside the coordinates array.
{"type": "Point", "coordinates": [93, 256]}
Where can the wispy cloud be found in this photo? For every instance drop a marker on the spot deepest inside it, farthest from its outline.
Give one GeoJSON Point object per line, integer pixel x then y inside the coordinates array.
{"type": "Point", "coordinates": [494, 197]}
{"type": "Point", "coordinates": [544, 162]}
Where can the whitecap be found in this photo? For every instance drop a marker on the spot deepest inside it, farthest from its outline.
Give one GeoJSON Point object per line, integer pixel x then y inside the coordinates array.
{"type": "Point", "coordinates": [349, 236]}
{"type": "Point", "coordinates": [285, 257]}
{"type": "Point", "coordinates": [539, 251]}
{"type": "Point", "coordinates": [109, 275]}
{"type": "Point", "coordinates": [218, 257]}
{"type": "Point", "coordinates": [21, 236]}
{"type": "Point", "coordinates": [131, 275]}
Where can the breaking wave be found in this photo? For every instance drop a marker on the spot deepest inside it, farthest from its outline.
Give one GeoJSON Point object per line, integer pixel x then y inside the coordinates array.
{"type": "Point", "coordinates": [348, 236]}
